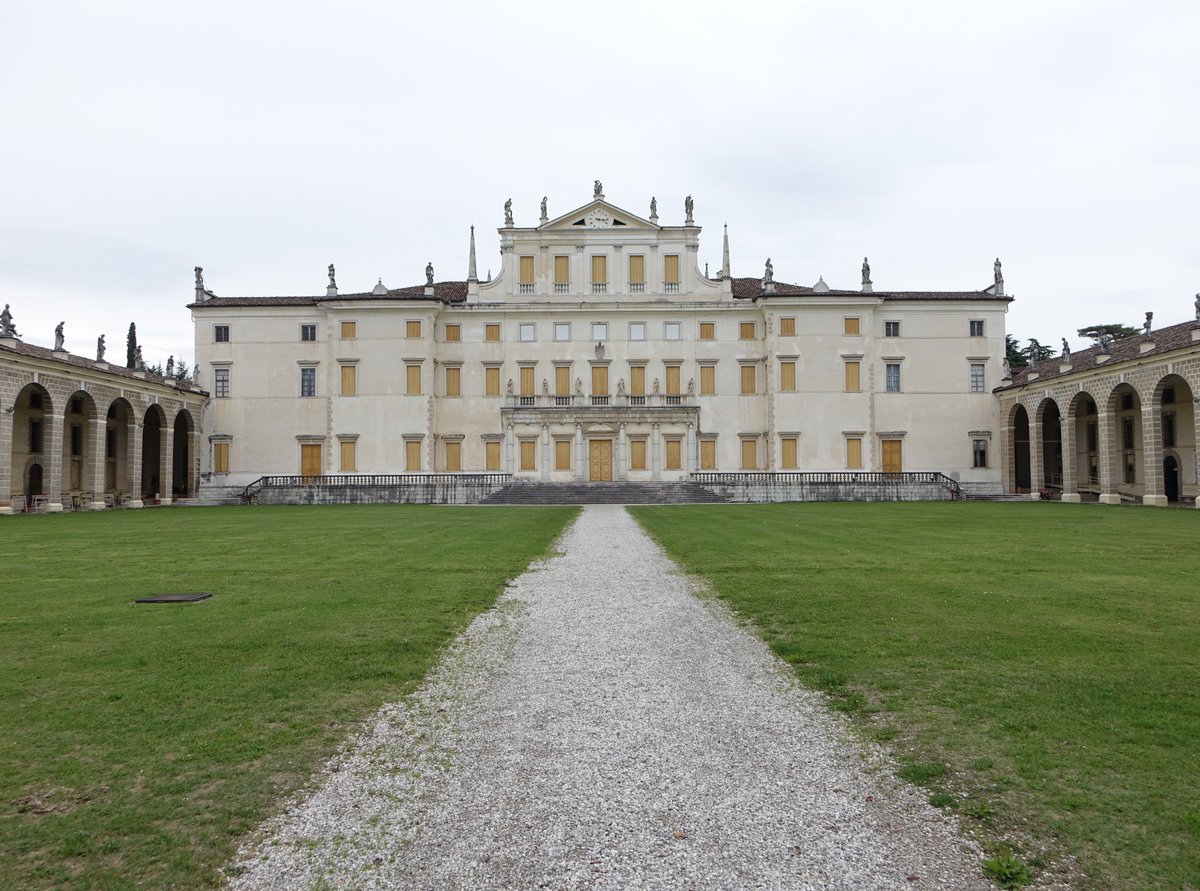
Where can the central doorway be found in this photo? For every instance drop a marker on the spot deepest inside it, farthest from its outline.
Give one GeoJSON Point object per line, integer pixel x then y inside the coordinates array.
{"type": "Point", "coordinates": [600, 460]}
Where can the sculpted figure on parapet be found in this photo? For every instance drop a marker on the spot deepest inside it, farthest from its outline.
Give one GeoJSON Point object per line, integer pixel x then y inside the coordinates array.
{"type": "Point", "coordinates": [866, 271]}
{"type": "Point", "coordinates": [544, 216]}
{"type": "Point", "coordinates": [654, 209]}
{"type": "Point", "coordinates": [58, 336]}
{"type": "Point", "coordinates": [1066, 351]}
{"type": "Point", "coordinates": [199, 278]}
{"type": "Point", "coordinates": [997, 275]}
{"type": "Point", "coordinates": [8, 329]}
{"type": "Point", "coordinates": [1197, 307]}
{"type": "Point", "coordinates": [508, 217]}
{"type": "Point", "coordinates": [100, 348]}
{"type": "Point", "coordinates": [171, 366]}
{"type": "Point", "coordinates": [769, 272]}
{"type": "Point", "coordinates": [597, 189]}
{"type": "Point", "coordinates": [332, 279]}
{"type": "Point", "coordinates": [429, 273]}
{"type": "Point", "coordinates": [687, 208]}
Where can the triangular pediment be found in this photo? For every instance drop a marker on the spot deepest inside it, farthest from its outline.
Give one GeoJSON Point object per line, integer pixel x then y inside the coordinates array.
{"type": "Point", "coordinates": [597, 214]}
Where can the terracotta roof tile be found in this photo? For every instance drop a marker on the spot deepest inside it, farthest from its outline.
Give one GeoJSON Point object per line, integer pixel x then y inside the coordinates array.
{"type": "Point", "coordinates": [749, 288]}
{"type": "Point", "coordinates": [446, 292]}
{"type": "Point", "coordinates": [36, 352]}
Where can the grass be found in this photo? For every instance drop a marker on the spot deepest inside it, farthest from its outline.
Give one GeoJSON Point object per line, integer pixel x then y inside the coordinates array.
{"type": "Point", "coordinates": [138, 743]}
{"type": "Point", "coordinates": [1041, 662]}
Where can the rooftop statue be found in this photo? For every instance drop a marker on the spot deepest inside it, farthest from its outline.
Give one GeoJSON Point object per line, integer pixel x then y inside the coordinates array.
{"type": "Point", "coordinates": [170, 366]}
{"type": "Point", "coordinates": [8, 329]}
{"type": "Point", "coordinates": [687, 208]}
{"type": "Point", "coordinates": [654, 212]}
{"type": "Point", "coordinates": [199, 278]}
{"type": "Point", "coordinates": [332, 278]}
{"type": "Point", "coordinates": [508, 219]}
{"type": "Point", "coordinates": [139, 364]}
{"type": "Point", "coordinates": [1066, 351]}
{"type": "Point", "coordinates": [597, 189]}
{"type": "Point", "coordinates": [100, 348]}
{"type": "Point", "coordinates": [769, 273]}
{"type": "Point", "coordinates": [866, 271]}
{"type": "Point", "coordinates": [429, 274]}
{"type": "Point", "coordinates": [1146, 325]}
{"type": "Point", "coordinates": [997, 275]}
{"type": "Point", "coordinates": [1197, 307]}
{"type": "Point", "coordinates": [544, 216]}
{"type": "Point", "coordinates": [58, 336]}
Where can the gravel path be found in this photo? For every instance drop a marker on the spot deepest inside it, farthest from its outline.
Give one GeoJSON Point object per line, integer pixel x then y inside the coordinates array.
{"type": "Point", "coordinates": [603, 727]}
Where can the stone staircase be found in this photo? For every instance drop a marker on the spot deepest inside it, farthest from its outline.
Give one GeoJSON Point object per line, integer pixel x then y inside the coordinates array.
{"type": "Point", "coordinates": [525, 492]}
{"type": "Point", "coordinates": [210, 495]}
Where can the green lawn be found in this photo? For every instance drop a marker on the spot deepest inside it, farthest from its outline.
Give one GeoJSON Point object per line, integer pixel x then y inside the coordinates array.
{"type": "Point", "coordinates": [139, 742]}
{"type": "Point", "coordinates": [1037, 665]}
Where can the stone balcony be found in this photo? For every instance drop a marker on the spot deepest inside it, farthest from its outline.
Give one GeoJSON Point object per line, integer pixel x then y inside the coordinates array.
{"type": "Point", "coordinates": [622, 408]}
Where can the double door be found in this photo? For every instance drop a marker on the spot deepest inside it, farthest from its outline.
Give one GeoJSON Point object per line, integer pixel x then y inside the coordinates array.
{"type": "Point", "coordinates": [600, 460]}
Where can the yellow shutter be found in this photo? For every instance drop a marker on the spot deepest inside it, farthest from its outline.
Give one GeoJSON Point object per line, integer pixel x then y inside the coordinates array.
{"type": "Point", "coordinates": [453, 333]}
{"type": "Point", "coordinates": [853, 382]}
{"type": "Point", "coordinates": [746, 330]}
{"type": "Point", "coordinates": [748, 382]}
{"type": "Point", "coordinates": [491, 380]}
{"type": "Point", "coordinates": [637, 454]}
{"type": "Point", "coordinates": [562, 380]}
{"type": "Point", "coordinates": [491, 333]}
{"type": "Point", "coordinates": [787, 376]}
{"type": "Point", "coordinates": [749, 454]}
{"type": "Point", "coordinates": [671, 269]}
{"type": "Point", "coordinates": [599, 270]}
{"type": "Point", "coordinates": [637, 380]}
{"type": "Point", "coordinates": [412, 380]}
{"type": "Point", "coordinates": [453, 456]}
{"type": "Point", "coordinates": [854, 453]}
{"type": "Point", "coordinates": [708, 331]}
{"type": "Point", "coordinates": [527, 385]}
{"type": "Point", "coordinates": [562, 454]}
{"type": "Point", "coordinates": [349, 330]}
{"type": "Point", "coordinates": [708, 454]}
{"type": "Point", "coordinates": [412, 328]}
{"type": "Point", "coordinates": [599, 380]}
{"type": "Point", "coordinates": [892, 456]}
{"type": "Point", "coordinates": [562, 270]}
{"type": "Point", "coordinates": [453, 381]}
{"type": "Point", "coordinates": [787, 326]}
{"type": "Point", "coordinates": [674, 454]}
{"type": "Point", "coordinates": [412, 456]}
{"type": "Point", "coordinates": [526, 271]}
{"type": "Point", "coordinates": [788, 459]}
{"type": "Point", "coordinates": [708, 380]}
{"type": "Point", "coordinates": [220, 457]}
{"type": "Point", "coordinates": [672, 380]}
{"type": "Point", "coordinates": [347, 449]}
{"type": "Point", "coordinates": [491, 454]}
{"type": "Point", "coordinates": [528, 454]}
{"type": "Point", "coordinates": [851, 326]}
{"type": "Point", "coordinates": [349, 380]}
{"type": "Point", "coordinates": [637, 269]}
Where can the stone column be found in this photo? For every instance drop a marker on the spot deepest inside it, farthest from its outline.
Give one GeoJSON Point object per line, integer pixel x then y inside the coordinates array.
{"type": "Point", "coordinates": [1106, 438]}
{"type": "Point", "coordinates": [692, 462]}
{"type": "Point", "coordinates": [546, 457]}
{"type": "Point", "coordinates": [579, 451]}
{"type": "Point", "coordinates": [197, 443]}
{"type": "Point", "coordinates": [166, 462]}
{"type": "Point", "coordinates": [1070, 489]}
{"type": "Point", "coordinates": [133, 465]}
{"type": "Point", "coordinates": [52, 460]}
{"type": "Point", "coordinates": [93, 477]}
{"type": "Point", "coordinates": [1037, 464]}
{"type": "Point", "coordinates": [655, 456]}
{"type": "Point", "coordinates": [1008, 464]}
{"type": "Point", "coordinates": [622, 453]}
{"type": "Point", "coordinates": [1152, 458]}
{"type": "Point", "coordinates": [6, 447]}
{"type": "Point", "coordinates": [508, 448]}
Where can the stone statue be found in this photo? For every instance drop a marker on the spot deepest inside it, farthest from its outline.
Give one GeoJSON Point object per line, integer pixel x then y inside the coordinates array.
{"type": "Point", "coordinates": [544, 214]}
{"type": "Point", "coordinates": [1007, 370]}
{"type": "Point", "coordinates": [656, 387]}
{"type": "Point", "coordinates": [508, 220]}
{"type": "Point", "coordinates": [1197, 307]}
{"type": "Point", "coordinates": [139, 364]}
{"type": "Point", "coordinates": [429, 274]}
{"type": "Point", "coordinates": [100, 348]}
{"type": "Point", "coordinates": [598, 189]}
{"type": "Point", "coordinates": [621, 387]}
{"type": "Point", "coordinates": [545, 387]}
{"type": "Point", "coordinates": [769, 273]}
{"type": "Point", "coordinates": [8, 329]}
{"type": "Point", "coordinates": [170, 366]}
{"type": "Point", "coordinates": [687, 209]}
{"type": "Point", "coordinates": [654, 214]}
{"type": "Point", "coordinates": [1146, 325]}
{"type": "Point", "coordinates": [997, 275]}
{"type": "Point", "coordinates": [578, 382]}
{"type": "Point", "coordinates": [195, 374]}
{"type": "Point", "coordinates": [199, 278]}
{"type": "Point", "coordinates": [691, 390]}
{"type": "Point", "coordinates": [58, 336]}
{"type": "Point", "coordinates": [1066, 351]}
{"type": "Point", "coordinates": [510, 386]}
{"type": "Point", "coordinates": [332, 279]}
{"type": "Point", "coordinates": [866, 272]}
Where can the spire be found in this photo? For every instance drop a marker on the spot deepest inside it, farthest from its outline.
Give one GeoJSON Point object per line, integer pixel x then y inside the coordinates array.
{"type": "Point", "coordinates": [725, 254]}
{"type": "Point", "coordinates": [472, 275]}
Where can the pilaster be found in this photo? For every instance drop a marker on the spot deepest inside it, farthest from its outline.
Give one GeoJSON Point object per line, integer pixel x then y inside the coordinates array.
{"type": "Point", "coordinates": [166, 463]}
{"type": "Point", "coordinates": [93, 480]}
{"type": "Point", "coordinates": [1107, 436]}
{"type": "Point", "coordinates": [133, 466]}
{"type": "Point", "coordinates": [1152, 458]}
{"type": "Point", "coordinates": [53, 460]}
{"type": "Point", "coordinates": [1070, 482]}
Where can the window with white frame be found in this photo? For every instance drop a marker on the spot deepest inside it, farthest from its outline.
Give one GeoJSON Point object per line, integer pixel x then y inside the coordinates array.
{"type": "Point", "coordinates": [562, 331]}
{"type": "Point", "coordinates": [637, 330]}
{"type": "Point", "coordinates": [891, 329]}
{"type": "Point", "coordinates": [599, 330]}
{"type": "Point", "coordinates": [978, 377]}
{"type": "Point", "coordinates": [672, 330]}
{"type": "Point", "coordinates": [979, 453]}
{"type": "Point", "coordinates": [892, 377]}
{"type": "Point", "coordinates": [308, 333]}
{"type": "Point", "coordinates": [977, 327]}
{"type": "Point", "coordinates": [221, 383]}
{"type": "Point", "coordinates": [221, 333]}
{"type": "Point", "coordinates": [527, 332]}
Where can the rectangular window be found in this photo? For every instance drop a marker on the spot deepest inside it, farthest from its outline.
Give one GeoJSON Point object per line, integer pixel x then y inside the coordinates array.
{"type": "Point", "coordinates": [787, 458]}
{"type": "Point", "coordinates": [76, 440]}
{"type": "Point", "coordinates": [599, 380]}
{"type": "Point", "coordinates": [708, 380]}
{"type": "Point", "coordinates": [853, 378]}
{"type": "Point", "coordinates": [852, 325]}
{"type": "Point", "coordinates": [599, 331]}
{"type": "Point", "coordinates": [672, 331]}
{"type": "Point", "coordinates": [1127, 433]}
{"type": "Point", "coordinates": [349, 380]}
{"type": "Point", "coordinates": [1093, 437]}
{"type": "Point", "coordinates": [491, 380]}
{"type": "Point", "coordinates": [412, 328]}
{"type": "Point", "coordinates": [637, 380]}
{"type": "Point", "coordinates": [308, 332]}
{"type": "Point", "coordinates": [787, 326]}
{"type": "Point", "coordinates": [308, 382]}
{"type": "Point", "coordinates": [891, 373]}
{"type": "Point", "coordinates": [412, 456]}
{"type": "Point", "coordinates": [527, 332]}
{"type": "Point", "coordinates": [562, 331]}
{"type": "Point", "coordinates": [453, 380]}
{"type": "Point", "coordinates": [562, 380]}
{"type": "Point", "coordinates": [221, 383]}
{"type": "Point", "coordinates": [979, 453]}
{"type": "Point", "coordinates": [528, 454]}
{"type": "Point", "coordinates": [221, 333]}
{"type": "Point", "coordinates": [347, 449]}
{"type": "Point", "coordinates": [491, 333]}
{"type": "Point", "coordinates": [708, 330]}
{"type": "Point", "coordinates": [562, 454]}
{"type": "Point", "coordinates": [854, 453]}
{"type": "Point", "coordinates": [978, 381]}
{"type": "Point", "coordinates": [599, 274]}
{"type": "Point", "coordinates": [453, 456]}
{"type": "Point", "coordinates": [1168, 429]}
{"type": "Point", "coordinates": [637, 272]}
{"type": "Point", "coordinates": [708, 454]}
{"type": "Point", "coordinates": [891, 329]}
{"type": "Point", "coordinates": [674, 454]}
{"type": "Point", "coordinates": [749, 383]}
{"type": "Point", "coordinates": [637, 330]}
{"type": "Point", "coordinates": [787, 376]}
{"type": "Point", "coordinates": [412, 380]}
{"type": "Point", "coordinates": [491, 455]}
{"type": "Point", "coordinates": [671, 271]}
{"type": "Point", "coordinates": [527, 384]}
{"type": "Point", "coordinates": [749, 454]}
{"type": "Point", "coordinates": [637, 454]}
{"type": "Point", "coordinates": [526, 274]}
{"type": "Point", "coordinates": [977, 327]}
{"type": "Point", "coordinates": [746, 330]}
{"type": "Point", "coordinates": [220, 457]}
{"type": "Point", "coordinates": [673, 375]}
{"type": "Point", "coordinates": [349, 330]}
{"type": "Point", "coordinates": [453, 332]}
{"type": "Point", "coordinates": [562, 274]}
{"type": "Point", "coordinates": [35, 437]}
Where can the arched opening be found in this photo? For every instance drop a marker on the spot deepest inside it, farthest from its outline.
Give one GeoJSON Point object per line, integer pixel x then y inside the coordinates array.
{"type": "Point", "coordinates": [152, 427]}
{"type": "Point", "coordinates": [1171, 477]}
{"type": "Point", "coordinates": [1084, 418]}
{"type": "Point", "coordinates": [1125, 434]}
{"type": "Point", "coordinates": [1177, 424]}
{"type": "Point", "coordinates": [77, 460]}
{"type": "Point", "coordinates": [1022, 478]}
{"type": "Point", "coordinates": [1052, 446]}
{"type": "Point", "coordinates": [183, 472]}
{"type": "Point", "coordinates": [33, 413]}
{"type": "Point", "coordinates": [118, 421]}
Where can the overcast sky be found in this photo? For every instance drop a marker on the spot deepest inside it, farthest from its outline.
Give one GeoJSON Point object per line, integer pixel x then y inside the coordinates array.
{"type": "Point", "coordinates": [264, 141]}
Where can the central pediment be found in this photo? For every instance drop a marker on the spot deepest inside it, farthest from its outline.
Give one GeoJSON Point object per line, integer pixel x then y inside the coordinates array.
{"type": "Point", "coordinates": [597, 214]}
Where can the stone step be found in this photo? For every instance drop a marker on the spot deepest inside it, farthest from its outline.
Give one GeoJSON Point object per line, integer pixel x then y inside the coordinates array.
{"type": "Point", "coordinates": [603, 493]}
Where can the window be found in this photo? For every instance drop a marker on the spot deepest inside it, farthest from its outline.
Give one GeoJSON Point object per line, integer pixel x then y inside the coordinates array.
{"type": "Point", "coordinates": [749, 454]}
{"type": "Point", "coordinates": [35, 436]}
{"type": "Point", "coordinates": [599, 380]}
{"type": "Point", "coordinates": [671, 273]}
{"type": "Point", "coordinates": [412, 379]}
{"type": "Point", "coordinates": [637, 274]}
{"type": "Point", "coordinates": [787, 376]}
{"type": "Point", "coordinates": [527, 332]}
{"type": "Point", "coordinates": [491, 333]}
{"type": "Point", "coordinates": [412, 328]}
{"type": "Point", "coordinates": [562, 331]}
{"type": "Point", "coordinates": [854, 453]}
{"type": "Point", "coordinates": [221, 383]}
{"type": "Point", "coordinates": [892, 377]}
{"type": "Point", "coordinates": [787, 326]}
{"type": "Point", "coordinates": [453, 333]}
{"type": "Point", "coordinates": [308, 382]}
{"type": "Point", "coordinates": [491, 455]}
{"type": "Point", "coordinates": [528, 454]}
{"type": "Point", "coordinates": [349, 380]}
{"type": "Point", "coordinates": [491, 380]}
{"type": "Point", "coordinates": [412, 456]}
{"type": "Point", "coordinates": [749, 383]}
{"type": "Point", "coordinates": [76, 440]}
{"type": "Point", "coordinates": [673, 374]}
{"type": "Point", "coordinates": [562, 274]}
{"type": "Point", "coordinates": [891, 329]}
{"type": "Point", "coordinates": [637, 454]}
{"type": "Point", "coordinates": [1127, 433]}
{"type": "Point", "coordinates": [562, 380]}
{"type": "Point", "coordinates": [1168, 430]}
{"type": "Point", "coordinates": [453, 380]}
{"type": "Point", "coordinates": [221, 333]}
{"type": "Point", "coordinates": [787, 458]}
{"type": "Point", "coordinates": [1126, 402]}
{"type": "Point", "coordinates": [708, 330]}
{"type": "Point", "coordinates": [746, 330]}
{"type": "Point", "coordinates": [637, 380]}
{"type": "Point", "coordinates": [308, 332]}
{"type": "Point", "coordinates": [527, 385]}
{"type": "Point", "coordinates": [674, 454]}
{"type": "Point", "coordinates": [637, 330]}
{"type": "Point", "coordinates": [1092, 437]}
{"type": "Point", "coordinates": [852, 325]}
{"type": "Point", "coordinates": [708, 380]}
{"type": "Point", "coordinates": [978, 380]}
{"type": "Point", "coordinates": [220, 457]}
{"type": "Point", "coordinates": [526, 275]}
{"type": "Point", "coordinates": [453, 456]}
{"type": "Point", "coordinates": [599, 274]}
{"type": "Point", "coordinates": [853, 378]}
{"type": "Point", "coordinates": [347, 449]}
{"type": "Point", "coordinates": [708, 454]}
{"type": "Point", "coordinates": [599, 331]}
{"type": "Point", "coordinates": [979, 453]}
{"type": "Point", "coordinates": [672, 331]}
{"type": "Point", "coordinates": [562, 454]}
{"type": "Point", "coordinates": [349, 330]}
{"type": "Point", "coordinates": [977, 327]}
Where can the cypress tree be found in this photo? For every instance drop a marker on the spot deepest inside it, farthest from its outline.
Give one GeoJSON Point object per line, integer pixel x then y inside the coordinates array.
{"type": "Point", "coordinates": [131, 345]}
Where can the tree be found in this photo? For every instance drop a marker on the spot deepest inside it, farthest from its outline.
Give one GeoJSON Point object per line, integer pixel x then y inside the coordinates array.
{"type": "Point", "coordinates": [131, 346]}
{"type": "Point", "coordinates": [1035, 352]}
{"type": "Point", "coordinates": [1106, 334]}
{"type": "Point", "coordinates": [1016, 355]}
{"type": "Point", "coordinates": [182, 372]}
